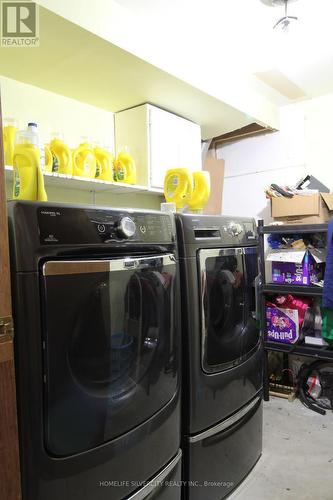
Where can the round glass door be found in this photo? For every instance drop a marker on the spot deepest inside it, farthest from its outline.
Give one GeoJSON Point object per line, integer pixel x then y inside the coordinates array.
{"type": "Point", "coordinates": [229, 330]}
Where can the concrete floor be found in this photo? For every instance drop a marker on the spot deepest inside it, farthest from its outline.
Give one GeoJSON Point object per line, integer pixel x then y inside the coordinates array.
{"type": "Point", "coordinates": [297, 459]}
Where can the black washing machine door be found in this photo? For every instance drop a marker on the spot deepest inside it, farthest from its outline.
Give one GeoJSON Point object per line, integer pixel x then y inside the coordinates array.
{"type": "Point", "coordinates": [230, 334]}
{"type": "Point", "coordinates": [110, 352]}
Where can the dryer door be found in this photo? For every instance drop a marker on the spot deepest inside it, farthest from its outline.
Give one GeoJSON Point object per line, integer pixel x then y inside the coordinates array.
{"type": "Point", "coordinates": [229, 330]}
{"type": "Point", "coordinates": [109, 347]}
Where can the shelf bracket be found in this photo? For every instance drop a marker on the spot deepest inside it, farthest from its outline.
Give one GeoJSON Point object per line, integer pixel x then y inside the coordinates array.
{"type": "Point", "coordinates": [93, 196]}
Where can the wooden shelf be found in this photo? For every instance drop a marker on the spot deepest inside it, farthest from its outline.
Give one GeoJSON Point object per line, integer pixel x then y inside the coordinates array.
{"type": "Point", "coordinates": [93, 185]}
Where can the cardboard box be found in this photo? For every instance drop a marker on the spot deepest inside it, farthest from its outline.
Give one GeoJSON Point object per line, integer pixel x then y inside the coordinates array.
{"type": "Point", "coordinates": [216, 169]}
{"type": "Point", "coordinates": [282, 325]}
{"type": "Point", "coordinates": [303, 209]}
{"type": "Point", "coordinates": [297, 267]}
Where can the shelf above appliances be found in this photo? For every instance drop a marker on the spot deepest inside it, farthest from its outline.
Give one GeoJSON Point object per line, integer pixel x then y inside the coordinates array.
{"type": "Point", "coordinates": [93, 185]}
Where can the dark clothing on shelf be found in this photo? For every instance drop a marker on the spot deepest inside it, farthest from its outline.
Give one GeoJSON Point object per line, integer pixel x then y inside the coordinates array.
{"type": "Point", "coordinates": [327, 324]}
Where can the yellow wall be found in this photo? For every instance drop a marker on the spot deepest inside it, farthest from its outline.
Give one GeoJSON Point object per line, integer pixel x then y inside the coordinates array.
{"type": "Point", "coordinates": [56, 113]}
{"type": "Point", "coordinates": [74, 119]}
{"type": "Point", "coordinates": [170, 52]}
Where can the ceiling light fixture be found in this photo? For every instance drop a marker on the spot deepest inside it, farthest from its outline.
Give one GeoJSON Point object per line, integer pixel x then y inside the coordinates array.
{"type": "Point", "coordinates": [285, 21]}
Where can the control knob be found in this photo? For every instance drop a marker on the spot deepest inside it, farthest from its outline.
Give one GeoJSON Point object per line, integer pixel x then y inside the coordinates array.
{"type": "Point", "coordinates": [235, 229]}
{"type": "Point", "coordinates": [126, 227]}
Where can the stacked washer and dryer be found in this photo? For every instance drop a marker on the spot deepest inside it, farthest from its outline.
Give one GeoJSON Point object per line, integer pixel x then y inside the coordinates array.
{"type": "Point", "coordinates": [222, 353]}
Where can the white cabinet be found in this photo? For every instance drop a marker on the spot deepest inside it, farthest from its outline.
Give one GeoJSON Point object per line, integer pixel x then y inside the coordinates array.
{"type": "Point", "coordinates": [158, 140]}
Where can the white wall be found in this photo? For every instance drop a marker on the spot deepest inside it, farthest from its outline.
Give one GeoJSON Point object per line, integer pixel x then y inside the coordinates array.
{"type": "Point", "coordinates": [319, 138]}
{"type": "Point", "coordinates": [304, 145]}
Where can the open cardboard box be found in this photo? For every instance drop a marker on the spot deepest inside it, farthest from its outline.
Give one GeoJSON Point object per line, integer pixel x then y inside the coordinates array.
{"type": "Point", "coordinates": [216, 170]}
{"type": "Point", "coordinates": [296, 267]}
{"type": "Point", "coordinates": [303, 209]}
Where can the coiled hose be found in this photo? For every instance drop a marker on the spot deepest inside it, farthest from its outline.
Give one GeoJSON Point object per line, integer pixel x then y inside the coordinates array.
{"type": "Point", "coordinates": [326, 382]}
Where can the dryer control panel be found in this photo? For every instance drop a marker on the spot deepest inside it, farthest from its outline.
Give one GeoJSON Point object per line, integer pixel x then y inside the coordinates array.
{"type": "Point", "coordinates": [71, 226]}
{"type": "Point", "coordinates": [217, 230]}
{"type": "Point", "coordinates": [245, 230]}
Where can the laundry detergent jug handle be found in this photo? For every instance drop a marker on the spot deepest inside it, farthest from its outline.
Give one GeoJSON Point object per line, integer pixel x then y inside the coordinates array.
{"type": "Point", "coordinates": [75, 154]}
{"type": "Point", "coordinates": [178, 186]}
{"type": "Point", "coordinates": [201, 191]}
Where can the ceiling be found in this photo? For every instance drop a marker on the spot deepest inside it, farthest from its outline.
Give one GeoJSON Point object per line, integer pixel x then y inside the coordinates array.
{"type": "Point", "coordinates": [237, 37]}
{"type": "Point", "coordinates": [109, 77]}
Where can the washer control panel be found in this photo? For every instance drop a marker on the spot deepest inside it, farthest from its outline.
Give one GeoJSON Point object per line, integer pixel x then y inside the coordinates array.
{"type": "Point", "coordinates": [234, 228]}
{"type": "Point", "coordinates": [224, 230]}
{"type": "Point", "coordinates": [70, 225]}
{"type": "Point", "coordinates": [242, 231]}
{"type": "Point", "coordinates": [126, 227]}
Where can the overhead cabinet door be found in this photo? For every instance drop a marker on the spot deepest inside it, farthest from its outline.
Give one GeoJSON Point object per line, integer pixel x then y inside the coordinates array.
{"type": "Point", "coordinates": [174, 142]}
{"type": "Point", "coordinates": [158, 141]}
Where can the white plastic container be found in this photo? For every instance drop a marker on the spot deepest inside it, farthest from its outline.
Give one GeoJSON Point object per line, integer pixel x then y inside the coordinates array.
{"type": "Point", "coordinates": [34, 139]}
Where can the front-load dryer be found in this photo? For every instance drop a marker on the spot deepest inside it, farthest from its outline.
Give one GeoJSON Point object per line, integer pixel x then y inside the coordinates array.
{"type": "Point", "coordinates": [222, 353]}
{"type": "Point", "coordinates": [96, 313]}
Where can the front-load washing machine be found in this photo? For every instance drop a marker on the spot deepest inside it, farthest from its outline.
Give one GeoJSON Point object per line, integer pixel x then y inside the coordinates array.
{"type": "Point", "coordinates": [222, 353]}
{"type": "Point", "coordinates": [96, 312]}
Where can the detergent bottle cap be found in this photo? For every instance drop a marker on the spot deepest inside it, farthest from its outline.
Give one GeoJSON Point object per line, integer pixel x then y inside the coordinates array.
{"type": "Point", "coordinates": [108, 147]}
{"type": "Point", "coordinates": [85, 139]}
{"type": "Point", "coordinates": [123, 149]}
{"type": "Point", "coordinates": [10, 122]}
{"type": "Point", "coordinates": [57, 135]}
{"type": "Point", "coordinates": [33, 136]}
{"type": "Point", "coordinates": [24, 137]}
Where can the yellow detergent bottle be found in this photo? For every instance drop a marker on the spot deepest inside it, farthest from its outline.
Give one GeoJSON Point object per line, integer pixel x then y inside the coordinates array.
{"type": "Point", "coordinates": [84, 161]}
{"type": "Point", "coordinates": [104, 164]}
{"type": "Point", "coordinates": [28, 177]}
{"type": "Point", "coordinates": [48, 158]}
{"type": "Point", "coordinates": [41, 192]}
{"type": "Point", "coordinates": [178, 186]}
{"type": "Point", "coordinates": [124, 168]}
{"type": "Point", "coordinates": [9, 131]}
{"type": "Point", "coordinates": [201, 191]}
{"type": "Point", "coordinates": [61, 156]}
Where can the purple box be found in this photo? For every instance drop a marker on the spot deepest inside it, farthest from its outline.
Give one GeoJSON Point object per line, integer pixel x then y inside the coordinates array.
{"type": "Point", "coordinates": [305, 272]}
{"type": "Point", "coordinates": [282, 325]}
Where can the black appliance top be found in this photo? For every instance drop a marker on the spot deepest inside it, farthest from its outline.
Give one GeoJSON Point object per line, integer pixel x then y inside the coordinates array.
{"type": "Point", "coordinates": [43, 228]}
{"type": "Point", "coordinates": [214, 231]}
